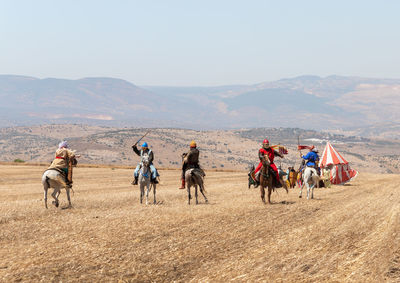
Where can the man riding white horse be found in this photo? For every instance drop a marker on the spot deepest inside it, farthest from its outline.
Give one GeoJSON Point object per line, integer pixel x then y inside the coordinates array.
{"type": "Point", "coordinates": [144, 151]}
{"type": "Point", "coordinates": [62, 160]}
{"type": "Point", "coordinates": [266, 152]}
{"type": "Point", "coordinates": [312, 158]}
{"type": "Point", "coordinates": [310, 173]}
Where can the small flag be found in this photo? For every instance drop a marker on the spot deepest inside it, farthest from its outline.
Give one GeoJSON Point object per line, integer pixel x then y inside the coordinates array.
{"type": "Point", "coordinates": [281, 148]}
{"type": "Point", "coordinates": [300, 147]}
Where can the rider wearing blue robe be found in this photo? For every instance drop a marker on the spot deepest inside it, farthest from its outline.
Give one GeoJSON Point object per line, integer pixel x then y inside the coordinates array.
{"type": "Point", "coordinates": [145, 151]}
{"type": "Point", "coordinates": [312, 158]}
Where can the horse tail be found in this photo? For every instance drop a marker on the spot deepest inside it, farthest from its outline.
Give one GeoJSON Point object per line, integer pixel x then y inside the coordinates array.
{"type": "Point", "coordinates": [203, 187]}
{"type": "Point", "coordinates": [47, 182]}
{"type": "Point", "coordinates": [197, 175]}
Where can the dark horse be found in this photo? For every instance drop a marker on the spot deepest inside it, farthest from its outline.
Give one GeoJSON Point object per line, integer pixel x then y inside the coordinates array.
{"type": "Point", "coordinates": [267, 179]}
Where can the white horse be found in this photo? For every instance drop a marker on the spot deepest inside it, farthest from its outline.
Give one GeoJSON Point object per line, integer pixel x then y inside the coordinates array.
{"type": "Point", "coordinates": [54, 179]}
{"type": "Point", "coordinates": [194, 177]}
{"type": "Point", "coordinates": [145, 180]}
{"type": "Point", "coordinates": [310, 179]}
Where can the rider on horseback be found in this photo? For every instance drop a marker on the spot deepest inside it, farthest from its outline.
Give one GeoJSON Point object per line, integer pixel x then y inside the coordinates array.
{"type": "Point", "coordinates": [267, 152]}
{"type": "Point", "coordinates": [190, 160]}
{"type": "Point", "coordinates": [62, 157]}
{"type": "Point", "coordinates": [144, 151]}
{"type": "Point", "coordinates": [312, 158]}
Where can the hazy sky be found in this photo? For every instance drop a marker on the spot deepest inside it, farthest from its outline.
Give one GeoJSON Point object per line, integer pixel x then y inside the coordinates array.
{"type": "Point", "coordinates": [199, 42]}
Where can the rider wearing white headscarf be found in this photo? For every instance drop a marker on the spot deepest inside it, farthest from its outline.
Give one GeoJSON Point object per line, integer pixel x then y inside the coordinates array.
{"type": "Point", "coordinates": [62, 157]}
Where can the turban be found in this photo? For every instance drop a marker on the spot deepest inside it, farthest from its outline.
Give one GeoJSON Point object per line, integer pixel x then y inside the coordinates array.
{"type": "Point", "coordinates": [63, 144]}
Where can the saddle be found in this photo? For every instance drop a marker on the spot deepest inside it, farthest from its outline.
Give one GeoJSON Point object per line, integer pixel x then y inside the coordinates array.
{"type": "Point", "coordinates": [253, 178]}
{"type": "Point", "coordinates": [275, 183]}
{"type": "Point", "coordinates": [198, 171]}
{"type": "Point", "coordinates": [62, 173]}
{"type": "Point", "coordinates": [58, 170]}
{"type": "Point", "coordinates": [149, 174]}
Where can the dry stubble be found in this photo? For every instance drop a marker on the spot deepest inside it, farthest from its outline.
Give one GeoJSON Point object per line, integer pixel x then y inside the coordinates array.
{"type": "Point", "coordinates": [348, 233]}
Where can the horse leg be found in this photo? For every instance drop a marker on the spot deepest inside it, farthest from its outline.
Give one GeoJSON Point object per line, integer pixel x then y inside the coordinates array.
{"type": "Point", "coordinates": [141, 192]}
{"type": "Point", "coordinates": [67, 189]}
{"type": "Point", "coordinates": [195, 194]}
{"type": "Point", "coordinates": [147, 193]}
{"type": "Point", "coordinates": [202, 192]}
{"type": "Point", "coordinates": [301, 190]}
{"type": "Point", "coordinates": [262, 191]}
{"type": "Point", "coordinates": [45, 195]}
{"type": "Point", "coordinates": [269, 194]}
{"type": "Point", "coordinates": [312, 191]}
{"type": "Point", "coordinates": [55, 196]}
{"type": "Point", "coordinates": [154, 193]}
{"type": "Point", "coordinates": [308, 190]}
{"type": "Point", "coordinates": [188, 190]}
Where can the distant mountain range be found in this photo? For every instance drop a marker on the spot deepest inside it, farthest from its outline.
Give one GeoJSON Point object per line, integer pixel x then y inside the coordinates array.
{"type": "Point", "coordinates": [363, 106]}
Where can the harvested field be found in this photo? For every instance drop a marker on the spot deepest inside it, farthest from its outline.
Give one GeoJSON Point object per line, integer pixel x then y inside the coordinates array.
{"type": "Point", "coordinates": [347, 234]}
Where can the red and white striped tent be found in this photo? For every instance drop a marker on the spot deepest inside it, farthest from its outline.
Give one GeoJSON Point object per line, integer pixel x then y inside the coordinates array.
{"type": "Point", "coordinates": [340, 169]}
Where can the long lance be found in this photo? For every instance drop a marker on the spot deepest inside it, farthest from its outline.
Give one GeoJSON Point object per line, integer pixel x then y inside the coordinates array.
{"type": "Point", "coordinates": [298, 145]}
{"type": "Point", "coordinates": [142, 137]}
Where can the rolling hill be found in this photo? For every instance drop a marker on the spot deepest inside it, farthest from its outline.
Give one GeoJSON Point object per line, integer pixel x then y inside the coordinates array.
{"type": "Point", "coordinates": [343, 104]}
{"type": "Point", "coordinates": [220, 149]}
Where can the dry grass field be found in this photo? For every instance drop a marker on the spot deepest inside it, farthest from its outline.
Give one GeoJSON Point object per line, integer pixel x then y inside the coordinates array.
{"type": "Point", "coordinates": [346, 234]}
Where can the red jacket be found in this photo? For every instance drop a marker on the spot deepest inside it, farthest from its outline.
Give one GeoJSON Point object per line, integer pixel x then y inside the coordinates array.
{"type": "Point", "coordinates": [270, 153]}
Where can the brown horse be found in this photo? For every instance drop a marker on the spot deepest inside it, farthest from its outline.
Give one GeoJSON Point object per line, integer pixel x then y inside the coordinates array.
{"type": "Point", "coordinates": [267, 180]}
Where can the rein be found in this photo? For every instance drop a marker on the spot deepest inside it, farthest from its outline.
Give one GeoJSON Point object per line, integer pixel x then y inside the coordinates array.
{"type": "Point", "coordinates": [146, 175]}
{"type": "Point", "coordinates": [265, 171]}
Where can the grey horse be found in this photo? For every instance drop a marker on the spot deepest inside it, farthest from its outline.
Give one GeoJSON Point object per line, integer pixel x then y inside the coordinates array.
{"type": "Point", "coordinates": [145, 180]}
{"type": "Point", "coordinates": [310, 179]}
{"type": "Point", "coordinates": [54, 179]}
{"type": "Point", "coordinates": [194, 177]}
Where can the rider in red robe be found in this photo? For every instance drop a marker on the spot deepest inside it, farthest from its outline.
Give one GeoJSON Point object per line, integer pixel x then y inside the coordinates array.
{"type": "Point", "coordinates": [267, 152]}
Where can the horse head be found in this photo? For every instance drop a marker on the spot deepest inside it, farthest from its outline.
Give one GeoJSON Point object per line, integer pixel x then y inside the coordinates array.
{"type": "Point", "coordinates": [266, 162]}
{"type": "Point", "coordinates": [74, 161]}
{"type": "Point", "coordinates": [145, 160]}
{"type": "Point", "coordinates": [145, 168]}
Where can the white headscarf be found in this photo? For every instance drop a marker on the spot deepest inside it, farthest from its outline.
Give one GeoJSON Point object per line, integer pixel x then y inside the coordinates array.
{"type": "Point", "coordinates": [63, 144]}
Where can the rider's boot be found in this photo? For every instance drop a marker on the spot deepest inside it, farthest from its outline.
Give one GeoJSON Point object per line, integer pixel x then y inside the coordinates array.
{"type": "Point", "coordinates": [183, 185]}
{"type": "Point", "coordinates": [135, 181]}
{"type": "Point", "coordinates": [154, 180]}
